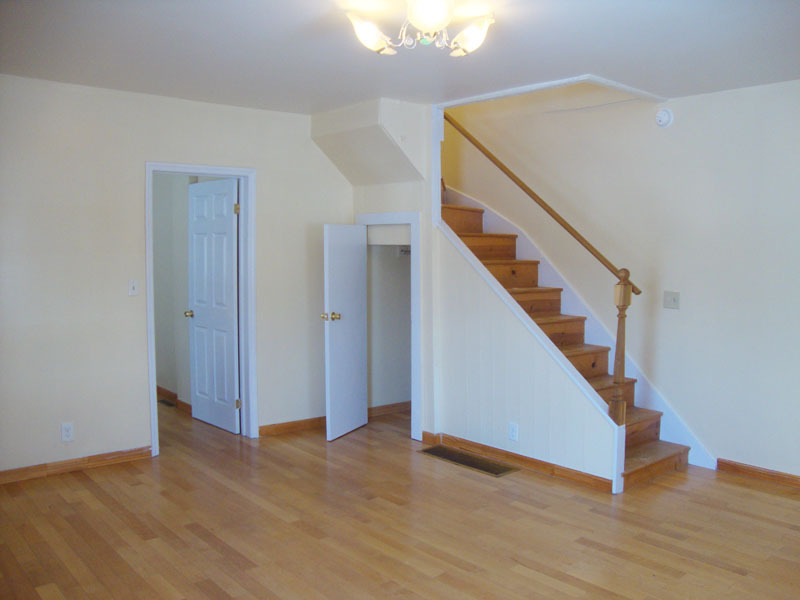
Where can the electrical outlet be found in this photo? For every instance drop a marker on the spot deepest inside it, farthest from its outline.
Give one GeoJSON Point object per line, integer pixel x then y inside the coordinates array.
{"type": "Point", "coordinates": [513, 432]}
{"type": "Point", "coordinates": [67, 432]}
{"type": "Point", "coordinates": [672, 300]}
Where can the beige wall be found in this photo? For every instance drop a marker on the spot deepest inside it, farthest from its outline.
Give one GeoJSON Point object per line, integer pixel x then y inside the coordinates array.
{"type": "Point", "coordinates": [72, 195]}
{"type": "Point", "coordinates": [707, 207]}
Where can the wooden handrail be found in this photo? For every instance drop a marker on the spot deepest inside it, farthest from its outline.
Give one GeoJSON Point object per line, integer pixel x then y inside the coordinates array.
{"type": "Point", "coordinates": [545, 206]}
{"type": "Point", "coordinates": [617, 407]}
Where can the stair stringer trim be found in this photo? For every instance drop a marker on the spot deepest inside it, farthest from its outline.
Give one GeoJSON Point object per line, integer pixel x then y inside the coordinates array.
{"type": "Point", "coordinates": [615, 458]}
{"type": "Point", "coordinates": [673, 427]}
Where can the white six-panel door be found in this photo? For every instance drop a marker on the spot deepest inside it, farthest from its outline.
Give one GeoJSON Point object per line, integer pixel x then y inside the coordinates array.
{"type": "Point", "coordinates": [346, 328]}
{"type": "Point", "coordinates": [213, 298]}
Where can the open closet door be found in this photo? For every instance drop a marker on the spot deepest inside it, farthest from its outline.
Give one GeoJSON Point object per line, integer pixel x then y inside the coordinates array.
{"type": "Point", "coordinates": [345, 328]}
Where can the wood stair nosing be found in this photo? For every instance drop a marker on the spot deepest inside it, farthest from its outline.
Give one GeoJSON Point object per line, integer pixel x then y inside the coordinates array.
{"type": "Point", "coordinates": [642, 425]}
{"type": "Point", "coordinates": [459, 207]}
{"type": "Point", "coordinates": [537, 290]}
{"type": "Point", "coordinates": [491, 245]}
{"type": "Point", "coordinates": [581, 349]}
{"type": "Point", "coordinates": [648, 460]}
{"type": "Point", "coordinates": [538, 301]}
{"type": "Point", "coordinates": [604, 385]}
{"type": "Point", "coordinates": [509, 261]}
{"type": "Point", "coordinates": [590, 360]}
{"type": "Point", "coordinates": [463, 219]}
{"type": "Point", "coordinates": [513, 273]}
{"type": "Point", "coordinates": [563, 330]}
{"type": "Point", "coordinates": [490, 236]}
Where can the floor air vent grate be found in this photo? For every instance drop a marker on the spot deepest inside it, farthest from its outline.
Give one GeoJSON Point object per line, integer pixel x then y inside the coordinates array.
{"type": "Point", "coordinates": [467, 459]}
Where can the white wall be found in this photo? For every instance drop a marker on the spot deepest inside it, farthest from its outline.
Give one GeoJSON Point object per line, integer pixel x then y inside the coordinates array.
{"type": "Point", "coordinates": [72, 196]}
{"type": "Point", "coordinates": [170, 273]}
{"type": "Point", "coordinates": [707, 207]}
{"type": "Point", "coordinates": [388, 325]}
{"type": "Point", "coordinates": [497, 367]}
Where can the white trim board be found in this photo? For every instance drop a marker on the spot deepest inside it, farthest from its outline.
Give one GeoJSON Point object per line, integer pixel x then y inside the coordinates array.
{"type": "Point", "coordinates": [247, 312]}
{"type": "Point", "coordinates": [547, 85]}
{"type": "Point", "coordinates": [437, 139]}
{"type": "Point", "coordinates": [411, 219]}
{"type": "Point", "coordinates": [673, 427]}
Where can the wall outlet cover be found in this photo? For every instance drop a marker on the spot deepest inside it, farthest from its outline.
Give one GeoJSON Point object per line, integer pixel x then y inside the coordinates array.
{"type": "Point", "coordinates": [67, 432]}
{"type": "Point", "coordinates": [513, 432]}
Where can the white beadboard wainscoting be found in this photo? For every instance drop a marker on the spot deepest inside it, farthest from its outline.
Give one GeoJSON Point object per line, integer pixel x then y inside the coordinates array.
{"type": "Point", "coordinates": [497, 367]}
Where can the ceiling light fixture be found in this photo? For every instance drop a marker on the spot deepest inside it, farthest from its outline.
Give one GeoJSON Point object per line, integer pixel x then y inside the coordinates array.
{"type": "Point", "coordinates": [426, 24]}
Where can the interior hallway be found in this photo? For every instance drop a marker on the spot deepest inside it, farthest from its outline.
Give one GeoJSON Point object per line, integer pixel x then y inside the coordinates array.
{"type": "Point", "coordinates": [367, 516]}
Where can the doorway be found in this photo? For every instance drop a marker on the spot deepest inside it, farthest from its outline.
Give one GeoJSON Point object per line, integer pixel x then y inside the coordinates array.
{"type": "Point", "coordinates": [175, 179]}
{"type": "Point", "coordinates": [388, 324]}
{"type": "Point", "coordinates": [340, 350]}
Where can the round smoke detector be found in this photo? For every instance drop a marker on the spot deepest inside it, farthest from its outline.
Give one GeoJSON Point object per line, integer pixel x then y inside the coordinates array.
{"type": "Point", "coordinates": [664, 117]}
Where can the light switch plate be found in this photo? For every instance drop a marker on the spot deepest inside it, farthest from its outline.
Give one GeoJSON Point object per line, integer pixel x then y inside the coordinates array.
{"type": "Point", "coordinates": [133, 287]}
{"type": "Point", "coordinates": [672, 300]}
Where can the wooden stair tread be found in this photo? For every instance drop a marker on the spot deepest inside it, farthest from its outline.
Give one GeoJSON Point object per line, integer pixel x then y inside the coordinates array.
{"type": "Point", "coordinates": [603, 382]}
{"type": "Point", "coordinates": [534, 290]}
{"type": "Point", "coordinates": [464, 208]}
{"type": "Point", "coordinates": [645, 455]}
{"type": "Point", "coordinates": [579, 349]}
{"type": "Point", "coordinates": [636, 414]}
{"type": "Point", "coordinates": [548, 319]}
{"type": "Point", "coordinates": [509, 261]}
{"type": "Point", "coordinates": [488, 235]}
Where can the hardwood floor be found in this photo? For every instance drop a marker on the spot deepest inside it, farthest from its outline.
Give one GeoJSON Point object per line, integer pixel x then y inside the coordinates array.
{"type": "Point", "coordinates": [217, 516]}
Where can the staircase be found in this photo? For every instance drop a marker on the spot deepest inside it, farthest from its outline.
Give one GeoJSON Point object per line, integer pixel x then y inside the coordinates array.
{"type": "Point", "coordinates": [646, 456]}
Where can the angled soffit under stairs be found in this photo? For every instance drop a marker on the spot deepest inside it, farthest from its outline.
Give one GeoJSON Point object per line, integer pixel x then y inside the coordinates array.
{"type": "Point", "coordinates": [372, 143]}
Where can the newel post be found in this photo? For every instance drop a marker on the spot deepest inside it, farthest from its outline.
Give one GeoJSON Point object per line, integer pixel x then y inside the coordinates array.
{"type": "Point", "coordinates": [622, 298]}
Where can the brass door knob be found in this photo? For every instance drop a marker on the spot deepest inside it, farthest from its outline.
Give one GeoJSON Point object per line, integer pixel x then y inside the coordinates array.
{"type": "Point", "coordinates": [335, 316]}
{"type": "Point", "coordinates": [324, 316]}
{"type": "Point", "coordinates": [188, 313]}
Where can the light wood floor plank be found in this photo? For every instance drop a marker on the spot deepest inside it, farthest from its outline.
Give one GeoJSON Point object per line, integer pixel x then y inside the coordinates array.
{"type": "Point", "coordinates": [368, 516]}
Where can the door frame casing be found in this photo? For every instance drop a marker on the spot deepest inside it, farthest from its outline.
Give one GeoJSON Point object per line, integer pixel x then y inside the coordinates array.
{"type": "Point", "coordinates": [412, 219]}
{"type": "Point", "coordinates": [247, 310]}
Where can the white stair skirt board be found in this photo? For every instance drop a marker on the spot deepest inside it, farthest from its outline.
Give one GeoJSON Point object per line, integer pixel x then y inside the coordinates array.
{"type": "Point", "coordinates": [502, 354]}
{"type": "Point", "coordinates": [673, 427]}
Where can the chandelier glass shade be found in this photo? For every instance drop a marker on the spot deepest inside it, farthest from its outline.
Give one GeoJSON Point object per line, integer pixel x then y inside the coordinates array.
{"type": "Point", "coordinates": [430, 15]}
{"type": "Point", "coordinates": [426, 24]}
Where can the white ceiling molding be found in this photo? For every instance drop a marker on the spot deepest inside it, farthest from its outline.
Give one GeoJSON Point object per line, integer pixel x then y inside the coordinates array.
{"type": "Point", "coordinates": [548, 85]}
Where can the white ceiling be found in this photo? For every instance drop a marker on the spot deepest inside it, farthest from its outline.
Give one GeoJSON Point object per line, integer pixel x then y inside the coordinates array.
{"type": "Point", "coordinates": [302, 56]}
